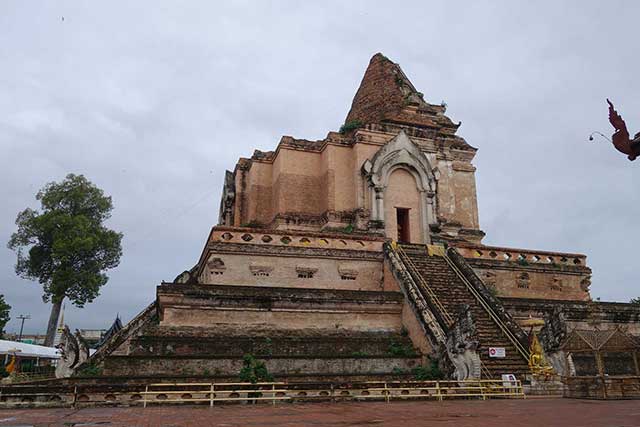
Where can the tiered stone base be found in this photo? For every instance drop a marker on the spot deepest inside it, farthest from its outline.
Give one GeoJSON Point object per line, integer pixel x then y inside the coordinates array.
{"type": "Point", "coordinates": [204, 331]}
{"type": "Point", "coordinates": [202, 352]}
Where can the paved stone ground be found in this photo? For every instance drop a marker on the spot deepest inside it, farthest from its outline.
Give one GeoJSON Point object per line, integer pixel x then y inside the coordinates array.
{"type": "Point", "coordinates": [498, 413]}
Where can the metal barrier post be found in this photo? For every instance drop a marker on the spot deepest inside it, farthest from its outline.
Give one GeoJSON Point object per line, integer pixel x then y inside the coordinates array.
{"type": "Point", "coordinates": [438, 392]}
{"type": "Point", "coordinates": [386, 391]}
{"type": "Point", "coordinates": [212, 389]}
{"type": "Point", "coordinates": [75, 395]}
{"type": "Point", "coordinates": [144, 399]}
{"type": "Point", "coordinates": [273, 394]}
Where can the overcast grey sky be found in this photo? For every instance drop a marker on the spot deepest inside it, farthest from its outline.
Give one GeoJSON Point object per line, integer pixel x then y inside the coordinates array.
{"type": "Point", "coordinates": [152, 101]}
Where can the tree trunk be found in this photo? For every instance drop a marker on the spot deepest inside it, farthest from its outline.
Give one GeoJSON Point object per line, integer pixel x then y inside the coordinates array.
{"type": "Point", "coordinates": [53, 322]}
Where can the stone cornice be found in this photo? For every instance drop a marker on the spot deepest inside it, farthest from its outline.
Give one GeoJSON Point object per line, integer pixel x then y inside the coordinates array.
{"type": "Point", "coordinates": [448, 147]}
{"type": "Point", "coordinates": [278, 293]}
{"type": "Point", "coordinates": [310, 234]}
{"type": "Point", "coordinates": [578, 310]}
{"type": "Point", "coordinates": [243, 239]}
{"type": "Point", "coordinates": [292, 251]}
{"type": "Point", "coordinates": [518, 250]}
{"type": "Point", "coordinates": [546, 268]}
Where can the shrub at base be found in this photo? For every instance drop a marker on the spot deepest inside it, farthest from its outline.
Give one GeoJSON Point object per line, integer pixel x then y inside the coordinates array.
{"type": "Point", "coordinates": [254, 371]}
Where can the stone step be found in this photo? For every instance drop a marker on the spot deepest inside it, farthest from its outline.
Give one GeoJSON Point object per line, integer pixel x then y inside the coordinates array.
{"type": "Point", "coordinates": [277, 366]}
{"type": "Point", "coordinates": [159, 342]}
{"type": "Point", "coordinates": [452, 293]}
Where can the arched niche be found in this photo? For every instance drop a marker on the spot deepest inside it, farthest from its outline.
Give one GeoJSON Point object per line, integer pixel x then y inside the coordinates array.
{"type": "Point", "coordinates": [401, 153]}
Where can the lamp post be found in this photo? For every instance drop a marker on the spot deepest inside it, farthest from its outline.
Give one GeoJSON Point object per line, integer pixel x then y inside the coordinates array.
{"type": "Point", "coordinates": [22, 317]}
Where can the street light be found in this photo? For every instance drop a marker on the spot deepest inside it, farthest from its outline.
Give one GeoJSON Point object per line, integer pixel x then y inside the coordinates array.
{"type": "Point", "coordinates": [600, 134]}
{"type": "Point", "coordinates": [22, 317]}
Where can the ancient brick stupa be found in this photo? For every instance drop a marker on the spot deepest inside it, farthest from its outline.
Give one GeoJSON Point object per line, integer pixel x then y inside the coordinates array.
{"type": "Point", "coordinates": [358, 257]}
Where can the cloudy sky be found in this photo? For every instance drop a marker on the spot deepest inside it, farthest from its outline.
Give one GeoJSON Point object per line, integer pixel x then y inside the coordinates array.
{"type": "Point", "coordinates": [153, 101]}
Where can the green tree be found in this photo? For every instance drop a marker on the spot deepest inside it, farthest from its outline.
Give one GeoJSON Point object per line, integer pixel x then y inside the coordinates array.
{"type": "Point", "coordinates": [254, 371]}
{"type": "Point", "coordinates": [635, 301]}
{"type": "Point", "coordinates": [66, 246]}
{"type": "Point", "coordinates": [4, 315]}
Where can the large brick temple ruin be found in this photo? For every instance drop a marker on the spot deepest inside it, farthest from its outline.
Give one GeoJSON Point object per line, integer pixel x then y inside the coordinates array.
{"type": "Point", "coordinates": [360, 256]}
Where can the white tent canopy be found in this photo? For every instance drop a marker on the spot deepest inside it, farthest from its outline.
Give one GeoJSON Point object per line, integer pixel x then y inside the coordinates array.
{"type": "Point", "coordinates": [28, 350]}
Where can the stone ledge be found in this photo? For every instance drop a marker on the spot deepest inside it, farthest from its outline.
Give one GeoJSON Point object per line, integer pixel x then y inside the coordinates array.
{"type": "Point", "coordinates": [157, 342]}
{"type": "Point", "coordinates": [315, 234]}
{"type": "Point", "coordinates": [518, 256]}
{"type": "Point", "coordinates": [276, 366]}
{"type": "Point", "coordinates": [578, 310]}
{"type": "Point", "coordinates": [290, 251]}
{"type": "Point", "coordinates": [250, 308]}
{"type": "Point", "coordinates": [108, 381]}
{"type": "Point", "coordinates": [279, 293]}
{"type": "Point", "coordinates": [265, 357]}
{"type": "Point", "coordinates": [188, 332]}
{"type": "Point", "coordinates": [514, 265]}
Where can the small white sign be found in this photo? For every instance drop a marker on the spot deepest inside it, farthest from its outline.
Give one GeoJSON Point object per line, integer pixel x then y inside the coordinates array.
{"type": "Point", "coordinates": [509, 381]}
{"type": "Point", "coordinates": [497, 352]}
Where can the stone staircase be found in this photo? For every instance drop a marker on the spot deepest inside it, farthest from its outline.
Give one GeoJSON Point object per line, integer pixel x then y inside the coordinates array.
{"type": "Point", "coordinates": [452, 293]}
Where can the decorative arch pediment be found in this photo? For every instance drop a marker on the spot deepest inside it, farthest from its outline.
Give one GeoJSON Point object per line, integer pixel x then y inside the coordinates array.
{"type": "Point", "coordinates": [400, 152]}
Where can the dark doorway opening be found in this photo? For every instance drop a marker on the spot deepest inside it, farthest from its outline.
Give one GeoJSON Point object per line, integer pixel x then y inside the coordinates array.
{"type": "Point", "coordinates": [402, 217]}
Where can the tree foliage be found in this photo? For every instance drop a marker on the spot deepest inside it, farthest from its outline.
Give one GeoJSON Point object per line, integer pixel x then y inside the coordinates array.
{"type": "Point", "coordinates": [254, 371]}
{"type": "Point", "coordinates": [635, 301]}
{"type": "Point", "coordinates": [65, 246]}
{"type": "Point", "coordinates": [4, 315]}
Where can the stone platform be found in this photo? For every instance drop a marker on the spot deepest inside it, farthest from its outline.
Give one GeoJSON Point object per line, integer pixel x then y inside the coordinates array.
{"type": "Point", "coordinates": [205, 331]}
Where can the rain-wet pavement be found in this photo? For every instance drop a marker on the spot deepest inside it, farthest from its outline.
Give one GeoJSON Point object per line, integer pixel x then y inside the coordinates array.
{"type": "Point", "coordinates": [495, 413]}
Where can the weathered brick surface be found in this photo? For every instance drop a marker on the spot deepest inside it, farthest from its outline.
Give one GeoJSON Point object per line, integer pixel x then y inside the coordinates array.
{"type": "Point", "coordinates": [280, 367]}
{"type": "Point", "coordinates": [380, 92]}
{"type": "Point", "coordinates": [386, 94]}
{"type": "Point", "coordinates": [310, 185]}
{"type": "Point", "coordinates": [169, 341]}
{"type": "Point", "coordinates": [242, 269]}
{"type": "Point", "coordinates": [578, 314]}
{"type": "Point", "coordinates": [270, 308]}
{"type": "Point", "coordinates": [522, 273]}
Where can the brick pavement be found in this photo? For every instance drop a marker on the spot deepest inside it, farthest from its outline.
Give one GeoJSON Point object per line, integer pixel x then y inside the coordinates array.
{"type": "Point", "coordinates": [498, 413]}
